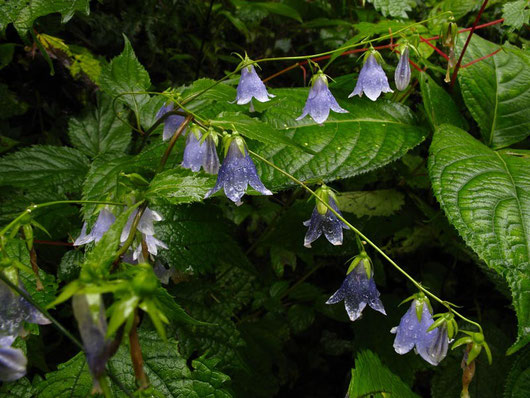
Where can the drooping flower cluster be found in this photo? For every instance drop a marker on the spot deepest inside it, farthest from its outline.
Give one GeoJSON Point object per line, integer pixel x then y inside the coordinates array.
{"type": "Point", "coordinates": [237, 172]}
{"type": "Point", "coordinates": [320, 100]}
{"type": "Point", "coordinates": [413, 332]}
{"type": "Point", "coordinates": [323, 220]}
{"type": "Point", "coordinates": [147, 228]}
{"type": "Point", "coordinates": [14, 311]}
{"type": "Point", "coordinates": [358, 289]}
{"type": "Point", "coordinates": [172, 123]}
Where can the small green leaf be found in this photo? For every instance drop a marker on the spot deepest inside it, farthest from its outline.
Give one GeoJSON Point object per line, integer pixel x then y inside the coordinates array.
{"type": "Point", "coordinates": [121, 311]}
{"type": "Point", "coordinates": [394, 8]}
{"type": "Point", "coordinates": [516, 14]}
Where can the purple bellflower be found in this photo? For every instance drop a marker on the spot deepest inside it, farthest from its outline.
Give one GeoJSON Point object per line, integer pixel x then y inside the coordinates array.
{"type": "Point", "coordinates": [320, 101]}
{"type": "Point", "coordinates": [250, 86]}
{"type": "Point", "coordinates": [412, 333]}
{"type": "Point", "coordinates": [402, 73]}
{"type": "Point", "coordinates": [372, 80]}
{"type": "Point", "coordinates": [89, 313]}
{"type": "Point", "coordinates": [357, 290]}
{"type": "Point", "coordinates": [104, 221]}
{"type": "Point", "coordinates": [15, 310]}
{"type": "Point", "coordinates": [147, 228]}
{"type": "Point", "coordinates": [323, 221]}
{"type": "Point", "coordinates": [237, 172]}
{"type": "Point", "coordinates": [172, 123]}
{"type": "Point", "coordinates": [201, 151]}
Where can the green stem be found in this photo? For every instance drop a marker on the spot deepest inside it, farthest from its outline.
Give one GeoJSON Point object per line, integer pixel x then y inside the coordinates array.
{"type": "Point", "coordinates": [57, 202]}
{"type": "Point", "coordinates": [172, 142]}
{"type": "Point", "coordinates": [132, 233]}
{"type": "Point", "coordinates": [359, 233]}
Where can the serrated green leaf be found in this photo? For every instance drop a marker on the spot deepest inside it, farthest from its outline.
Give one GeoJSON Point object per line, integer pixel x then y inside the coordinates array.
{"type": "Point", "coordinates": [100, 131]}
{"type": "Point", "coordinates": [497, 91]}
{"type": "Point", "coordinates": [516, 14]}
{"type": "Point", "coordinates": [198, 237]}
{"type": "Point", "coordinates": [43, 166]}
{"type": "Point", "coordinates": [70, 265]}
{"type": "Point", "coordinates": [220, 93]}
{"type": "Point", "coordinates": [370, 136]}
{"type": "Point", "coordinates": [21, 388]}
{"type": "Point", "coordinates": [486, 196]}
{"type": "Point", "coordinates": [518, 379]}
{"type": "Point", "coordinates": [383, 202]}
{"type": "Point", "coordinates": [179, 185]}
{"type": "Point", "coordinates": [125, 74]}
{"type": "Point", "coordinates": [439, 106]}
{"type": "Point", "coordinates": [251, 128]}
{"type": "Point", "coordinates": [370, 377]}
{"type": "Point", "coordinates": [394, 8]}
{"type": "Point", "coordinates": [23, 13]}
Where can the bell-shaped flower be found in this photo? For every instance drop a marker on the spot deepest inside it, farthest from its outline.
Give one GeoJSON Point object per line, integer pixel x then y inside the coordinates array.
{"type": "Point", "coordinates": [357, 290]}
{"type": "Point", "coordinates": [104, 221]}
{"type": "Point", "coordinates": [12, 364]}
{"type": "Point", "coordinates": [89, 312]}
{"type": "Point", "coordinates": [147, 228]}
{"type": "Point", "coordinates": [372, 80]}
{"type": "Point", "coordinates": [250, 86]}
{"type": "Point", "coordinates": [162, 273]}
{"type": "Point", "coordinates": [324, 221]}
{"type": "Point", "coordinates": [172, 123]}
{"type": "Point", "coordinates": [237, 172]}
{"type": "Point", "coordinates": [412, 332]}
{"type": "Point", "coordinates": [200, 151]}
{"type": "Point", "coordinates": [320, 100]}
{"type": "Point", "coordinates": [402, 73]}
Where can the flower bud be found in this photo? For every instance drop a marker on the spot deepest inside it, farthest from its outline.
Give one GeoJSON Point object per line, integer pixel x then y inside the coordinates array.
{"type": "Point", "coordinates": [402, 74]}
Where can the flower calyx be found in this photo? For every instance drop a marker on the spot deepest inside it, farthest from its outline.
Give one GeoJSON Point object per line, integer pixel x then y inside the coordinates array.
{"type": "Point", "coordinates": [477, 341]}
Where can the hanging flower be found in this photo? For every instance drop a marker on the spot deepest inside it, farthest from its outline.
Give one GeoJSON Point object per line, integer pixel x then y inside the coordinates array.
{"type": "Point", "coordinates": [412, 332]}
{"type": "Point", "coordinates": [15, 310]}
{"type": "Point", "coordinates": [372, 80]}
{"type": "Point", "coordinates": [201, 151]}
{"type": "Point", "coordinates": [324, 221]}
{"type": "Point", "coordinates": [358, 289]}
{"type": "Point", "coordinates": [237, 172]}
{"type": "Point", "coordinates": [172, 123]}
{"type": "Point", "coordinates": [104, 221]}
{"type": "Point", "coordinates": [320, 100]}
{"type": "Point", "coordinates": [250, 86]}
{"type": "Point", "coordinates": [89, 313]}
{"type": "Point", "coordinates": [147, 228]}
{"type": "Point", "coordinates": [402, 74]}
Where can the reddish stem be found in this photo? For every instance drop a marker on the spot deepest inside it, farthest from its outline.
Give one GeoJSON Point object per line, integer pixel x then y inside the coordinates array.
{"type": "Point", "coordinates": [435, 48]}
{"type": "Point", "coordinates": [473, 28]}
{"type": "Point", "coordinates": [484, 25]}
{"type": "Point", "coordinates": [136, 355]}
{"type": "Point", "coordinates": [480, 59]}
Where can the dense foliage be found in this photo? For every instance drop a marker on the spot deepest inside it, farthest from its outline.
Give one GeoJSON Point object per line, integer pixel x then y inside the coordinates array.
{"type": "Point", "coordinates": [230, 198]}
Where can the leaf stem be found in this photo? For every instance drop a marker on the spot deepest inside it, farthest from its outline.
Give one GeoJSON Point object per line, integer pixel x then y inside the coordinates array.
{"type": "Point", "coordinates": [359, 233]}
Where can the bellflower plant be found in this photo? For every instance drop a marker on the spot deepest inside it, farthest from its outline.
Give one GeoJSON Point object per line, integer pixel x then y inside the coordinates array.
{"type": "Point", "coordinates": [250, 86]}
{"type": "Point", "coordinates": [104, 221]}
{"type": "Point", "coordinates": [402, 73]}
{"type": "Point", "coordinates": [358, 289]}
{"type": "Point", "coordinates": [89, 313]}
{"type": "Point", "coordinates": [147, 228]}
{"type": "Point", "coordinates": [15, 310]}
{"type": "Point", "coordinates": [200, 151]}
{"type": "Point", "coordinates": [172, 123]}
{"type": "Point", "coordinates": [237, 172]}
{"type": "Point", "coordinates": [413, 332]}
{"type": "Point", "coordinates": [323, 221]}
{"type": "Point", "coordinates": [372, 80]}
{"type": "Point", "coordinates": [320, 100]}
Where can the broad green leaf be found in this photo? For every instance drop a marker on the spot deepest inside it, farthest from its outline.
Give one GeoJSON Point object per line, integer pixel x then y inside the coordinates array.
{"type": "Point", "coordinates": [458, 8]}
{"type": "Point", "coordinates": [42, 166]}
{"type": "Point", "coordinates": [70, 265]}
{"type": "Point", "coordinates": [198, 237]}
{"type": "Point", "coordinates": [71, 380]}
{"type": "Point", "coordinates": [394, 8]}
{"type": "Point", "coordinates": [486, 196]}
{"type": "Point", "coordinates": [383, 202]}
{"type": "Point", "coordinates": [219, 92]}
{"type": "Point", "coordinates": [21, 388]}
{"type": "Point", "coordinates": [179, 185]}
{"type": "Point", "coordinates": [124, 77]}
{"type": "Point", "coordinates": [100, 130]}
{"type": "Point", "coordinates": [497, 91]}
{"type": "Point", "coordinates": [23, 13]}
{"type": "Point", "coordinates": [439, 106]}
{"type": "Point", "coordinates": [370, 136]}
{"type": "Point", "coordinates": [371, 377]}
{"type": "Point", "coordinates": [516, 14]}
{"type": "Point", "coordinates": [518, 380]}
{"type": "Point", "coordinates": [251, 128]}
